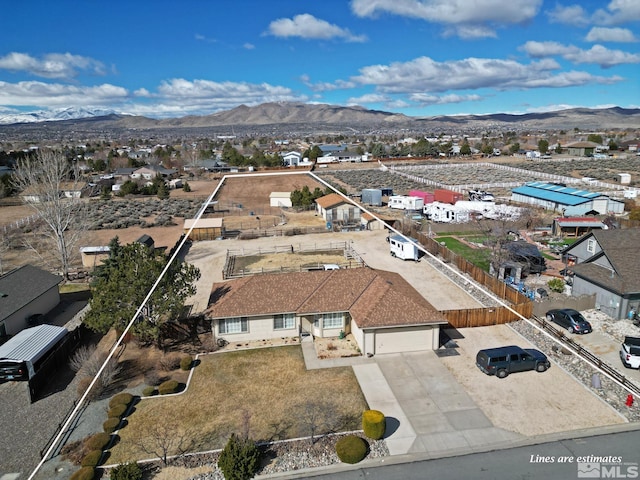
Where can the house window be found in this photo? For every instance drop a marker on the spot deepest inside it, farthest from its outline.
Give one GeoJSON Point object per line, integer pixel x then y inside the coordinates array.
{"type": "Point", "coordinates": [591, 246]}
{"type": "Point", "coordinates": [233, 325]}
{"type": "Point", "coordinates": [333, 320]}
{"type": "Point", "coordinates": [281, 322]}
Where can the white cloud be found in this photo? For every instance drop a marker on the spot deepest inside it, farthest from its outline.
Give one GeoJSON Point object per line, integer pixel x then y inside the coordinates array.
{"type": "Point", "coordinates": [368, 98]}
{"type": "Point", "coordinates": [570, 15]}
{"type": "Point", "coordinates": [618, 12]}
{"type": "Point", "coordinates": [466, 19]}
{"type": "Point", "coordinates": [425, 75]}
{"type": "Point", "coordinates": [326, 86]}
{"type": "Point", "coordinates": [425, 99]}
{"type": "Point", "coordinates": [249, 46]}
{"type": "Point", "coordinates": [54, 94]}
{"type": "Point", "coordinates": [51, 65]}
{"type": "Point", "coordinates": [604, 34]}
{"type": "Point", "coordinates": [309, 27]}
{"type": "Point", "coordinates": [597, 54]}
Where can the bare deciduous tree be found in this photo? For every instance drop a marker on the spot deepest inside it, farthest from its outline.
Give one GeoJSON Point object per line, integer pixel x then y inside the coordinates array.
{"type": "Point", "coordinates": [43, 179]}
{"type": "Point", "coordinates": [163, 440]}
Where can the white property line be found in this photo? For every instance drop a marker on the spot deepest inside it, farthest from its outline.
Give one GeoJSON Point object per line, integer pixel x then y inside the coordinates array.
{"type": "Point", "coordinates": [116, 345]}
{"type": "Point", "coordinates": [481, 287]}
{"type": "Point", "coordinates": [83, 398]}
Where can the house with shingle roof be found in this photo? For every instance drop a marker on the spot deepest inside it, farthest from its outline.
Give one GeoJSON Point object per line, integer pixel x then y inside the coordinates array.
{"type": "Point", "coordinates": [381, 309]}
{"type": "Point", "coordinates": [605, 263]}
{"type": "Point", "coordinates": [26, 292]}
{"type": "Point", "coordinates": [335, 209]}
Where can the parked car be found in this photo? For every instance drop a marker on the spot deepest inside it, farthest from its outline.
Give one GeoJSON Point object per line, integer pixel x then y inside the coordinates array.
{"type": "Point", "coordinates": [502, 361]}
{"type": "Point", "coordinates": [630, 352]}
{"type": "Point", "coordinates": [570, 319]}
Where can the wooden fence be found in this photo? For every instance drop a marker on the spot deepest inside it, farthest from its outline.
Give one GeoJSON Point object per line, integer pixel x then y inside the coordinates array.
{"type": "Point", "coordinates": [476, 317]}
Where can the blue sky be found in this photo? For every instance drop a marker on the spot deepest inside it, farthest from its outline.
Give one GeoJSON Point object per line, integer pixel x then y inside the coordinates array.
{"type": "Point", "coordinates": [418, 57]}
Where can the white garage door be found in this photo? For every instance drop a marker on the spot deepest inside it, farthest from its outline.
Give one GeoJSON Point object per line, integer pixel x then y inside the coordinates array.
{"type": "Point", "coordinates": [396, 340]}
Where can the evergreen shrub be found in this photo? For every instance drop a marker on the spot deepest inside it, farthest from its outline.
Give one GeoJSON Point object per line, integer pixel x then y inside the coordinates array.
{"type": "Point", "coordinates": [351, 449]}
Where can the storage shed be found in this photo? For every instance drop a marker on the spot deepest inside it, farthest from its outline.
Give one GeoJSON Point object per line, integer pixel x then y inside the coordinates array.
{"type": "Point", "coordinates": [204, 229]}
{"type": "Point", "coordinates": [372, 196]}
{"type": "Point", "coordinates": [280, 199]}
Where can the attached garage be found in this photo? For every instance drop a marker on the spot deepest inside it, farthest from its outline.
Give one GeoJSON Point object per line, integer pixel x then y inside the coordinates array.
{"type": "Point", "coordinates": [405, 339]}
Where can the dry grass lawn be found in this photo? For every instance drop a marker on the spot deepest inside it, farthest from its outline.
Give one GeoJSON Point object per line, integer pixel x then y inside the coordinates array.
{"type": "Point", "coordinates": [271, 387]}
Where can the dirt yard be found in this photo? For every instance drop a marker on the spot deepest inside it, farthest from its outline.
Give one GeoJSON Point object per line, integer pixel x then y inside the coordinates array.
{"type": "Point", "coordinates": [529, 403]}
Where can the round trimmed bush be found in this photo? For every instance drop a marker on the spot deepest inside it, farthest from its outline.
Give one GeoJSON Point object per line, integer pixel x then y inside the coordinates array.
{"type": "Point", "coordinates": [170, 386]}
{"type": "Point", "coordinates": [92, 459]}
{"type": "Point", "coordinates": [186, 362]}
{"type": "Point", "coordinates": [85, 473]}
{"type": "Point", "coordinates": [373, 424]}
{"type": "Point", "coordinates": [123, 398]}
{"type": "Point", "coordinates": [126, 471]}
{"type": "Point", "coordinates": [149, 391]}
{"type": "Point", "coordinates": [351, 449]}
{"type": "Point", "coordinates": [117, 411]}
{"type": "Point", "coordinates": [111, 424]}
{"type": "Point", "coordinates": [98, 441]}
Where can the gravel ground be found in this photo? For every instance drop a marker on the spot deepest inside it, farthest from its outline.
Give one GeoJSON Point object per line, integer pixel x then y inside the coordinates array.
{"type": "Point", "coordinates": [281, 457]}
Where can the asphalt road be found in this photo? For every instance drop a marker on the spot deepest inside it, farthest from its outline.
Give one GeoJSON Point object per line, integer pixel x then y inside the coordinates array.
{"type": "Point", "coordinates": [534, 462]}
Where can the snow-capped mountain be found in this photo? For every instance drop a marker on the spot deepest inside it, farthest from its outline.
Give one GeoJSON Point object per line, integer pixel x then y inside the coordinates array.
{"type": "Point", "coordinates": [69, 113]}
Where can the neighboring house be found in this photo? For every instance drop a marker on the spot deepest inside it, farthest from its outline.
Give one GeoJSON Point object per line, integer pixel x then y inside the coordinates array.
{"type": "Point", "coordinates": [121, 175]}
{"type": "Point", "coordinates": [75, 189]}
{"type": "Point", "coordinates": [383, 311]}
{"type": "Point", "coordinates": [204, 229]}
{"type": "Point", "coordinates": [280, 199]}
{"type": "Point", "coordinates": [25, 292]}
{"type": "Point", "coordinates": [582, 149]}
{"type": "Point", "coordinates": [292, 159]}
{"type": "Point", "coordinates": [575, 226]}
{"type": "Point", "coordinates": [149, 172]}
{"type": "Point", "coordinates": [605, 263]}
{"type": "Point", "coordinates": [335, 209]}
{"type": "Point", "coordinates": [570, 201]}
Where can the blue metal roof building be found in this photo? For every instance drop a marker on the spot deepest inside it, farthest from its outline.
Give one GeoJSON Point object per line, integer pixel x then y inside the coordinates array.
{"type": "Point", "coordinates": [569, 201]}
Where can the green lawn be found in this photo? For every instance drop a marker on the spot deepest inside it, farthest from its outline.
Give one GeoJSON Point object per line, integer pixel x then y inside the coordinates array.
{"type": "Point", "coordinates": [267, 389]}
{"type": "Point", "coordinates": [478, 256]}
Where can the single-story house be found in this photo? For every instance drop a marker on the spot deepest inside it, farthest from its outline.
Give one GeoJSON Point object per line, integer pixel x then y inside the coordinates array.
{"type": "Point", "coordinates": [575, 226]}
{"type": "Point", "coordinates": [25, 292]}
{"type": "Point", "coordinates": [204, 229]}
{"type": "Point", "coordinates": [582, 149]}
{"type": "Point", "coordinates": [334, 209]}
{"type": "Point", "coordinates": [149, 172]}
{"type": "Point", "coordinates": [292, 159]}
{"type": "Point", "coordinates": [280, 199]}
{"type": "Point", "coordinates": [571, 202]}
{"type": "Point", "coordinates": [605, 263]}
{"type": "Point", "coordinates": [381, 309]}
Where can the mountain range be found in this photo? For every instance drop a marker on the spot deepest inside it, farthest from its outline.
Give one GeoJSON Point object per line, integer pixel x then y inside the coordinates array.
{"type": "Point", "coordinates": [298, 117]}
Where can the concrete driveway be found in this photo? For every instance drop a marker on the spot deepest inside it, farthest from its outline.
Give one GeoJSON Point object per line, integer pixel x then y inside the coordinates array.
{"type": "Point", "coordinates": [427, 410]}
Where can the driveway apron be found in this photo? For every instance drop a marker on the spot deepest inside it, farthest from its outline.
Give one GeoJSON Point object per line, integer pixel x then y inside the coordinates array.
{"type": "Point", "coordinates": [427, 410]}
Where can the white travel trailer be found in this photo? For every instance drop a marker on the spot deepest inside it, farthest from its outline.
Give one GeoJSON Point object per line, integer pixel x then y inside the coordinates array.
{"type": "Point", "coordinates": [490, 210]}
{"type": "Point", "coordinates": [402, 247]}
{"type": "Point", "coordinates": [404, 202]}
{"type": "Point", "coordinates": [445, 213]}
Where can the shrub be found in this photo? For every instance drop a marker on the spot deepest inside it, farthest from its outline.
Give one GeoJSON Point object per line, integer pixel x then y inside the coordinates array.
{"type": "Point", "coordinates": [373, 424]}
{"type": "Point", "coordinates": [185, 363]}
{"type": "Point", "coordinates": [170, 386]}
{"type": "Point", "coordinates": [92, 459]}
{"type": "Point", "coordinates": [170, 361]}
{"type": "Point", "coordinates": [152, 378]}
{"type": "Point", "coordinates": [83, 384]}
{"type": "Point", "coordinates": [351, 449]}
{"type": "Point", "coordinates": [240, 458]}
{"type": "Point", "coordinates": [556, 285]}
{"type": "Point", "coordinates": [98, 441]}
{"type": "Point", "coordinates": [120, 399]}
{"type": "Point", "coordinates": [126, 471]}
{"type": "Point", "coordinates": [111, 424]}
{"type": "Point", "coordinates": [117, 411]}
{"type": "Point", "coordinates": [85, 473]}
{"type": "Point", "coordinates": [149, 391]}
